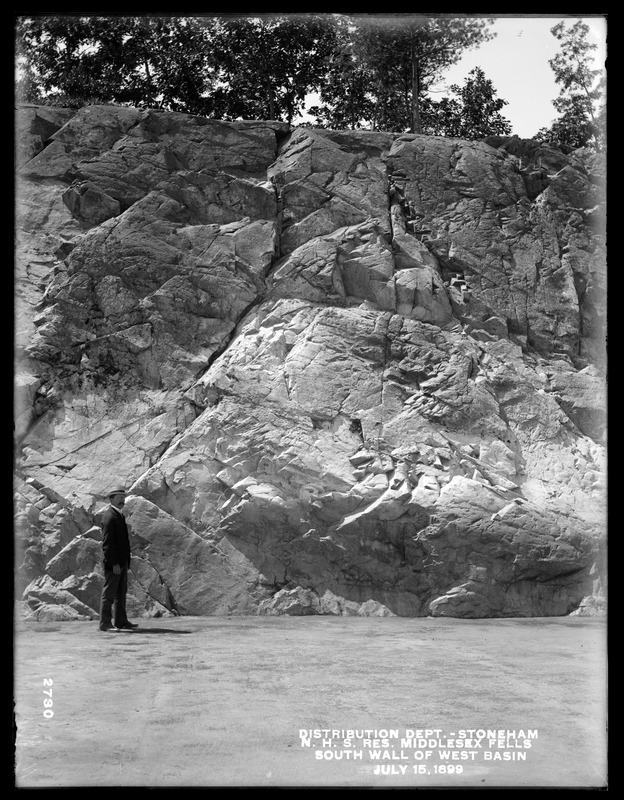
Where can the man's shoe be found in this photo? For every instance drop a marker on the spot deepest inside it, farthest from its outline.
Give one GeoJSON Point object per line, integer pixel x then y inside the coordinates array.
{"type": "Point", "coordinates": [107, 628]}
{"type": "Point", "coordinates": [127, 626]}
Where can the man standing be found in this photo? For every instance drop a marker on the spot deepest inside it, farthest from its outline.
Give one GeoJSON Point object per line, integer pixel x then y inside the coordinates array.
{"type": "Point", "coordinates": [116, 549]}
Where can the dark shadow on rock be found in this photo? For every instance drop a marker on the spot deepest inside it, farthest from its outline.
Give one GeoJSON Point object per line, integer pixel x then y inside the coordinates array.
{"type": "Point", "coordinates": [342, 577]}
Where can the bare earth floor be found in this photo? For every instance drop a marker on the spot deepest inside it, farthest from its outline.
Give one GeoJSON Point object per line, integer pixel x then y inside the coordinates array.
{"type": "Point", "coordinates": [222, 701]}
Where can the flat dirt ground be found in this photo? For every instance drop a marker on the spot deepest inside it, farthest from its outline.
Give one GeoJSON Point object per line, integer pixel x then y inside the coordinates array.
{"type": "Point", "coordinates": [221, 701]}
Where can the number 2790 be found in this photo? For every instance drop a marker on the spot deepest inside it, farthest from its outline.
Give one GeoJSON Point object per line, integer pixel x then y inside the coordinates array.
{"type": "Point", "coordinates": [47, 701]}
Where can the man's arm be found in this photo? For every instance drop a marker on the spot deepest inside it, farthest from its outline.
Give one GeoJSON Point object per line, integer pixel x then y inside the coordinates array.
{"type": "Point", "coordinates": [109, 543]}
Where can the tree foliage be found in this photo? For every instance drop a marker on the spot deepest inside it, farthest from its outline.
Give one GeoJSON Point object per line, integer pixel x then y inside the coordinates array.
{"type": "Point", "coordinates": [474, 114]}
{"type": "Point", "coordinates": [407, 58]}
{"type": "Point", "coordinates": [266, 67]}
{"type": "Point", "coordinates": [368, 71]}
{"type": "Point", "coordinates": [150, 61]}
{"type": "Point", "coordinates": [346, 100]}
{"type": "Point", "coordinates": [581, 101]}
{"type": "Point", "coordinates": [390, 64]}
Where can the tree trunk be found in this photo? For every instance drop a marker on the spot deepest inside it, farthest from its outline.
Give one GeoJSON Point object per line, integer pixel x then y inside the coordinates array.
{"type": "Point", "coordinates": [264, 71]}
{"type": "Point", "coordinates": [270, 97]}
{"type": "Point", "coordinates": [151, 98]}
{"type": "Point", "coordinates": [416, 124]}
{"type": "Point", "coordinates": [590, 106]}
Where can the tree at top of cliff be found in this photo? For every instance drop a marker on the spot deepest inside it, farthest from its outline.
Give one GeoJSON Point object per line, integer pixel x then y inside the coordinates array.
{"type": "Point", "coordinates": [581, 101]}
{"type": "Point", "coordinates": [267, 66]}
{"type": "Point", "coordinates": [369, 72]}
{"type": "Point", "coordinates": [224, 67]}
{"type": "Point", "coordinates": [473, 114]}
{"type": "Point", "coordinates": [71, 60]}
{"type": "Point", "coordinates": [388, 66]}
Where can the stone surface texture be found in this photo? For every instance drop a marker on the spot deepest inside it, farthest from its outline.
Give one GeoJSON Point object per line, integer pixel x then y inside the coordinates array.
{"type": "Point", "coordinates": [339, 372]}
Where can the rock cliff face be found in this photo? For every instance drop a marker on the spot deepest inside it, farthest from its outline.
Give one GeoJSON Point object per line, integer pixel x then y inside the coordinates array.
{"type": "Point", "coordinates": [339, 372]}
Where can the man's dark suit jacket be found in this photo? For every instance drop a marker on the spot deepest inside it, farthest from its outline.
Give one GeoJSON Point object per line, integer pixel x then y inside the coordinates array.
{"type": "Point", "coordinates": [115, 540]}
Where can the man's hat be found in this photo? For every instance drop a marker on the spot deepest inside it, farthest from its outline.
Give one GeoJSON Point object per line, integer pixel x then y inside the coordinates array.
{"type": "Point", "coordinates": [116, 490]}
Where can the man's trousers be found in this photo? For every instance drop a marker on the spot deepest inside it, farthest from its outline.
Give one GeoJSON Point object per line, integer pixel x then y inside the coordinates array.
{"type": "Point", "coordinates": [114, 597]}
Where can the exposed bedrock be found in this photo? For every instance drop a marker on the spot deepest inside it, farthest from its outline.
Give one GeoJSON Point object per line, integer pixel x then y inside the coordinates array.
{"type": "Point", "coordinates": [339, 372]}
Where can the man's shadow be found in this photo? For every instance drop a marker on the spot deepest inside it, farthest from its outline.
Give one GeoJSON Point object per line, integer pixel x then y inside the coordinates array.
{"type": "Point", "coordinates": [137, 631]}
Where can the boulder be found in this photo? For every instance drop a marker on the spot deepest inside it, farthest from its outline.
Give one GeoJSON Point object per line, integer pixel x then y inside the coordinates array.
{"type": "Point", "coordinates": [47, 599]}
{"type": "Point", "coordinates": [35, 127]}
{"type": "Point", "coordinates": [184, 571]}
{"type": "Point", "coordinates": [298, 602]}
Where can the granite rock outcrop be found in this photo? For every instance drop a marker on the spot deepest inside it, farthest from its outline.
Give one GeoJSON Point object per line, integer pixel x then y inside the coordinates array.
{"type": "Point", "coordinates": [340, 372]}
